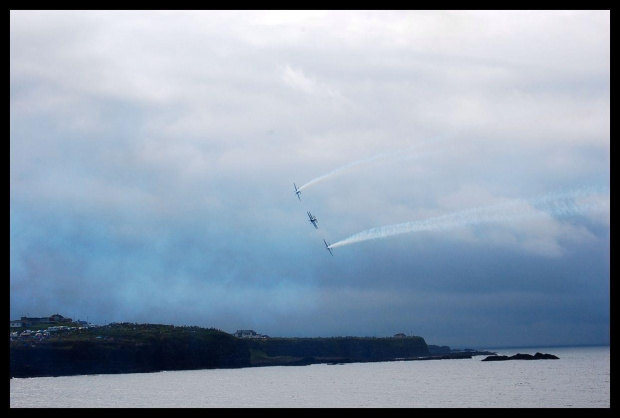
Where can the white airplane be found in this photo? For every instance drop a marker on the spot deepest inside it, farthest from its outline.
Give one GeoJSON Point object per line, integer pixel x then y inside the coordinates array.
{"type": "Point", "coordinates": [313, 220]}
{"type": "Point", "coordinates": [328, 249]}
{"type": "Point", "coordinates": [297, 192]}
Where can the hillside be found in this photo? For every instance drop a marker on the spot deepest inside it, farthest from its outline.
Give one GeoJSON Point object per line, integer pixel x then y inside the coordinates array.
{"type": "Point", "coordinates": [272, 351]}
{"type": "Point", "coordinates": [126, 348]}
{"type": "Point", "coordinates": [138, 348]}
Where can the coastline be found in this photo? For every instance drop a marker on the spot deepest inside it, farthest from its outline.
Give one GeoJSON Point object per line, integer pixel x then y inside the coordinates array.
{"type": "Point", "coordinates": [146, 348]}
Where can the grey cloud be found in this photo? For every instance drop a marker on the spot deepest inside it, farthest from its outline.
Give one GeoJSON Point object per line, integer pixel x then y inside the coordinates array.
{"type": "Point", "coordinates": [153, 155]}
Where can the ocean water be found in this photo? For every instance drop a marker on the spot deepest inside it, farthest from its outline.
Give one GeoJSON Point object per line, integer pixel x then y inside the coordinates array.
{"type": "Point", "coordinates": [579, 379]}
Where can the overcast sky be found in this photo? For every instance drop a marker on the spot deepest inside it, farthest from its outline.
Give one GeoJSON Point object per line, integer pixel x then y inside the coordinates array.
{"type": "Point", "coordinates": [153, 156]}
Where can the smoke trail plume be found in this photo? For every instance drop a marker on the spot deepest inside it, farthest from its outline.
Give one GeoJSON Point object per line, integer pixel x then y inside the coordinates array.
{"type": "Point", "coordinates": [561, 204]}
{"type": "Point", "coordinates": [401, 154]}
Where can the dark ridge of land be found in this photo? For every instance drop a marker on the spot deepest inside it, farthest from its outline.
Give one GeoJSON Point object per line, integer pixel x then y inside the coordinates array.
{"type": "Point", "coordinates": [519, 356]}
{"type": "Point", "coordinates": [284, 351]}
{"type": "Point", "coordinates": [142, 348]}
{"type": "Point", "coordinates": [126, 348]}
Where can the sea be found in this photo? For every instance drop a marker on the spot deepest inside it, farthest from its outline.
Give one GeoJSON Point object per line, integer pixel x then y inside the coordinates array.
{"type": "Point", "coordinates": [579, 379]}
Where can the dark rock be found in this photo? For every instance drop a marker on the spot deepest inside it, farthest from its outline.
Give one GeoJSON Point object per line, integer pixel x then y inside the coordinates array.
{"type": "Point", "coordinates": [519, 356]}
{"type": "Point", "coordinates": [436, 349]}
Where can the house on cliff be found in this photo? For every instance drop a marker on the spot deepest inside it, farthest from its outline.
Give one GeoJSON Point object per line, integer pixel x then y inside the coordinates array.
{"type": "Point", "coordinates": [26, 321]}
{"type": "Point", "coordinates": [248, 333]}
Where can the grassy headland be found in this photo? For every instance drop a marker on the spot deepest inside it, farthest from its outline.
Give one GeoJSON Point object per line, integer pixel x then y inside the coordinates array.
{"type": "Point", "coordinates": [136, 348]}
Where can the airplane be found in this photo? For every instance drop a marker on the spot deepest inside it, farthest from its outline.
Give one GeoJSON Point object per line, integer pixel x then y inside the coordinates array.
{"type": "Point", "coordinates": [297, 192]}
{"type": "Point", "coordinates": [328, 249]}
{"type": "Point", "coordinates": [313, 220]}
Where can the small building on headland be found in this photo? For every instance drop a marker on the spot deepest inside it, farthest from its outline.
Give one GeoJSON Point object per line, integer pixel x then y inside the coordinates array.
{"type": "Point", "coordinates": [59, 318]}
{"type": "Point", "coordinates": [248, 333]}
{"type": "Point", "coordinates": [26, 321]}
{"type": "Point", "coordinates": [399, 335]}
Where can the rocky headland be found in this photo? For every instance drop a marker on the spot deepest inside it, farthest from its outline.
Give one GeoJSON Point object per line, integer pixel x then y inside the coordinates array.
{"type": "Point", "coordinates": [142, 348]}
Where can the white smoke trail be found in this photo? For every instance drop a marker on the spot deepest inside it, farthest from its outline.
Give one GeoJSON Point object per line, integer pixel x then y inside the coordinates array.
{"type": "Point", "coordinates": [383, 156]}
{"type": "Point", "coordinates": [561, 204]}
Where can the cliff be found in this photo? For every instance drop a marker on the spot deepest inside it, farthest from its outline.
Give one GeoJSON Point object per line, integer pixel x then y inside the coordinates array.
{"type": "Point", "coordinates": [281, 351]}
{"type": "Point", "coordinates": [139, 348]}
{"type": "Point", "coordinates": [127, 348]}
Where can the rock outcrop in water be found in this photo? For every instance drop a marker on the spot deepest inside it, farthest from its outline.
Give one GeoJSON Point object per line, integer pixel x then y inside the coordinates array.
{"type": "Point", "coordinates": [519, 356]}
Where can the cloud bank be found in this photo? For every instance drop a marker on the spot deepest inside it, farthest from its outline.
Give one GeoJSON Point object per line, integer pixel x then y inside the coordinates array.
{"type": "Point", "coordinates": [152, 156]}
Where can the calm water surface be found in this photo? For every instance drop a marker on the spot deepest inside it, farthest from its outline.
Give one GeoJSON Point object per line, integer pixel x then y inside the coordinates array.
{"type": "Point", "coordinates": [579, 379]}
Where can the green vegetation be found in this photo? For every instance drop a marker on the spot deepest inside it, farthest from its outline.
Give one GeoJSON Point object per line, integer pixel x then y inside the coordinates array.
{"type": "Point", "coordinates": [41, 327]}
{"type": "Point", "coordinates": [126, 348]}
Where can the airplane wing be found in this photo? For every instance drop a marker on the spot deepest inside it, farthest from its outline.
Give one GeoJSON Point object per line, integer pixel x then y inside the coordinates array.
{"type": "Point", "coordinates": [297, 192]}
{"type": "Point", "coordinates": [328, 249]}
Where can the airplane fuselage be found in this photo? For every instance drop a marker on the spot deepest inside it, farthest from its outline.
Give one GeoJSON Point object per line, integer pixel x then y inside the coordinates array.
{"type": "Point", "coordinates": [313, 220]}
